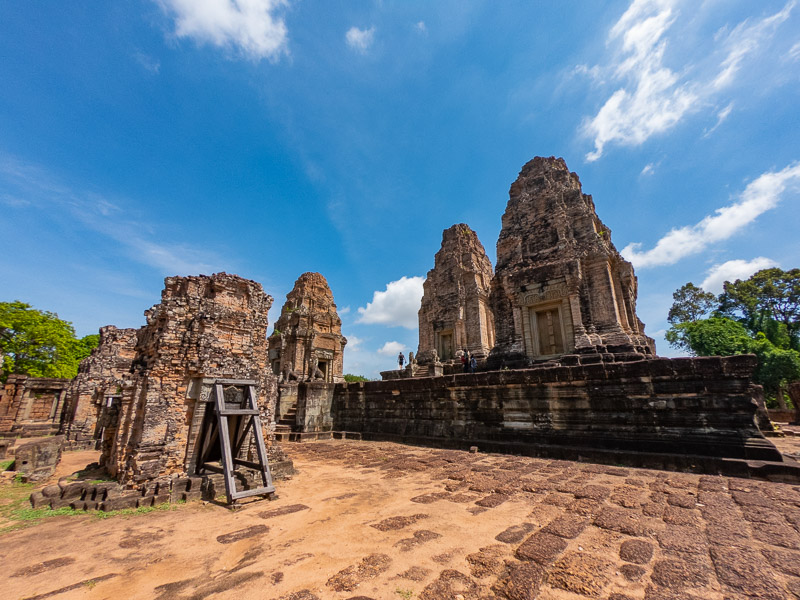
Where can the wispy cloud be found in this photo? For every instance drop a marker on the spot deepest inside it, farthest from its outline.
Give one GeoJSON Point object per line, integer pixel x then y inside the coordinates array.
{"type": "Point", "coordinates": [147, 62]}
{"type": "Point", "coordinates": [650, 98]}
{"type": "Point", "coordinates": [360, 39]}
{"type": "Point", "coordinates": [648, 169]}
{"type": "Point", "coordinates": [35, 186]}
{"type": "Point", "coordinates": [421, 27]}
{"type": "Point", "coordinates": [721, 116]}
{"type": "Point", "coordinates": [250, 27]}
{"type": "Point", "coordinates": [758, 197]}
{"type": "Point", "coordinates": [745, 39]}
{"type": "Point", "coordinates": [397, 306]}
{"type": "Point", "coordinates": [732, 270]}
{"type": "Point", "coordinates": [391, 348]}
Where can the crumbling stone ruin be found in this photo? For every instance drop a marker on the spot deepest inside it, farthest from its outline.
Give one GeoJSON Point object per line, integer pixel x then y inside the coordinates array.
{"type": "Point", "coordinates": [455, 313]}
{"type": "Point", "coordinates": [307, 344]}
{"type": "Point", "coordinates": [98, 385]}
{"type": "Point", "coordinates": [560, 286]}
{"type": "Point", "coordinates": [568, 370]}
{"type": "Point", "coordinates": [32, 406]}
{"type": "Point", "coordinates": [565, 287]}
{"type": "Point", "coordinates": [205, 327]}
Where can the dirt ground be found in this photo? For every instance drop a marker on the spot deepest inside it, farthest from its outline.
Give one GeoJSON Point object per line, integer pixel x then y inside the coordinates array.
{"type": "Point", "coordinates": [384, 521]}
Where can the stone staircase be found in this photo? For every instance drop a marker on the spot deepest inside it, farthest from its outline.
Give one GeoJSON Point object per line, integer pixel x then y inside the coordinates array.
{"type": "Point", "coordinates": [286, 424]}
{"type": "Point", "coordinates": [422, 371]}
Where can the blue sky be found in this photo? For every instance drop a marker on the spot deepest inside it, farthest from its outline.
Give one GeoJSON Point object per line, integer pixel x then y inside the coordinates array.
{"type": "Point", "coordinates": [149, 138]}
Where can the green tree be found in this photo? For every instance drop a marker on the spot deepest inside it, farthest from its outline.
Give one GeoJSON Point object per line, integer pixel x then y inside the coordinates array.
{"type": "Point", "coordinates": [717, 336]}
{"type": "Point", "coordinates": [776, 366]}
{"type": "Point", "coordinates": [38, 343]}
{"type": "Point", "coordinates": [690, 303]}
{"type": "Point", "coordinates": [768, 302]}
{"type": "Point", "coordinates": [349, 378]}
{"type": "Point", "coordinates": [721, 336]}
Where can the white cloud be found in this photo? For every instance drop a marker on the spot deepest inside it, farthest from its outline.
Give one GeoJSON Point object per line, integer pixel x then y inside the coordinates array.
{"type": "Point", "coordinates": [360, 39]}
{"type": "Point", "coordinates": [344, 311]}
{"type": "Point", "coordinates": [758, 197]}
{"type": "Point", "coordinates": [745, 39]}
{"type": "Point", "coordinates": [652, 98]}
{"type": "Point", "coordinates": [648, 169]}
{"type": "Point", "coordinates": [421, 27]}
{"type": "Point", "coordinates": [391, 349]}
{"type": "Point", "coordinates": [733, 270]}
{"type": "Point", "coordinates": [353, 343]}
{"type": "Point", "coordinates": [794, 52]}
{"type": "Point", "coordinates": [251, 26]}
{"type": "Point", "coordinates": [397, 306]}
{"type": "Point", "coordinates": [721, 116]}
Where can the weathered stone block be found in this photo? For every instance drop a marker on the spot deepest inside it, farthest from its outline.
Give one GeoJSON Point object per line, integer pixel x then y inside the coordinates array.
{"type": "Point", "coordinates": [73, 491]}
{"type": "Point", "coordinates": [51, 491]}
{"type": "Point", "coordinates": [191, 496]}
{"type": "Point", "coordinates": [39, 500]}
{"type": "Point", "coordinates": [129, 500]}
{"type": "Point", "coordinates": [37, 460]}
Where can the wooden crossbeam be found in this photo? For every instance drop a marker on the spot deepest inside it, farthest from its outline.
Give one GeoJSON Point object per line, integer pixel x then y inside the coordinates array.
{"type": "Point", "coordinates": [245, 420]}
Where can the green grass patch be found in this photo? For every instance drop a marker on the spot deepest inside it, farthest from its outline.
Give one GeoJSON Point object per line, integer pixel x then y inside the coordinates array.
{"type": "Point", "coordinates": [28, 513]}
{"type": "Point", "coordinates": [15, 508]}
{"type": "Point", "coordinates": [4, 464]}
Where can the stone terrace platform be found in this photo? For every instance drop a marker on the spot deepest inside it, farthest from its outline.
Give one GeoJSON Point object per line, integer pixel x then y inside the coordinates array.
{"type": "Point", "coordinates": [685, 414]}
{"type": "Point", "coordinates": [377, 521]}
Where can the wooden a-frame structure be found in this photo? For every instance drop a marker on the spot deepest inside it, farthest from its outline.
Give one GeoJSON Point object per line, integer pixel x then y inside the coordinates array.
{"type": "Point", "coordinates": [234, 419]}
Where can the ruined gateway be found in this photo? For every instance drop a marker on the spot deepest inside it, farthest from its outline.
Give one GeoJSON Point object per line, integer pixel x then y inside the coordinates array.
{"type": "Point", "coordinates": [566, 369]}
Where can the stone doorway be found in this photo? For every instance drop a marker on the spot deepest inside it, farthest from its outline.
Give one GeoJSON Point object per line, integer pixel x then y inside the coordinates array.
{"type": "Point", "coordinates": [549, 335]}
{"type": "Point", "coordinates": [445, 348]}
{"type": "Point", "coordinates": [324, 366]}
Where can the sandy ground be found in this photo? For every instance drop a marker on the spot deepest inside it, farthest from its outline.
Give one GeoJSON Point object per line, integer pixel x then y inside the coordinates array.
{"type": "Point", "coordinates": [385, 521]}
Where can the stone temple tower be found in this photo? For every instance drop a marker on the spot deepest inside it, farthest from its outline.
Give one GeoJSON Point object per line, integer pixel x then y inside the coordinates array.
{"type": "Point", "coordinates": [455, 313]}
{"type": "Point", "coordinates": [560, 285]}
{"type": "Point", "coordinates": [308, 333]}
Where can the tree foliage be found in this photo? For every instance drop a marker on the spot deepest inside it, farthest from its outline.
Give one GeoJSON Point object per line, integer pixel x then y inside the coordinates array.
{"type": "Point", "coordinates": [769, 302]}
{"type": "Point", "coordinates": [349, 378]}
{"type": "Point", "coordinates": [760, 316]}
{"type": "Point", "coordinates": [717, 336]}
{"type": "Point", "coordinates": [38, 343]}
{"type": "Point", "coordinates": [690, 303]}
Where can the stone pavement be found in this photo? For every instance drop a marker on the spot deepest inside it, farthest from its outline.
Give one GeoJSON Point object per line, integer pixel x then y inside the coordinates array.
{"type": "Point", "coordinates": [382, 521]}
{"type": "Point", "coordinates": [586, 531]}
